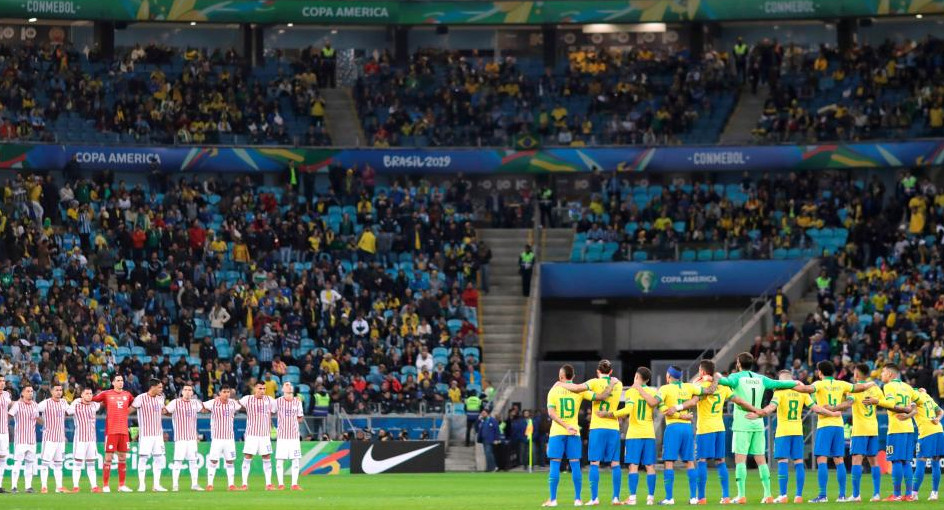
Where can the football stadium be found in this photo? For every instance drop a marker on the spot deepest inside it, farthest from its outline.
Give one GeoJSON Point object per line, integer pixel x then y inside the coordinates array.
{"type": "Point", "coordinates": [471, 254]}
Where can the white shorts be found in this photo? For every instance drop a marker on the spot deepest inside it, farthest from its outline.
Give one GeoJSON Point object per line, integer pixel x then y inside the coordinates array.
{"type": "Point", "coordinates": [4, 444]}
{"type": "Point", "coordinates": [185, 450]}
{"type": "Point", "coordinates": [222, 448]}
{"type": "Point", "coordinates": [257, 446]}
{"type": "Point", "coordinates": [53, 451]}
{"type": "Point", "coordinates": [85, 450]}
{"type": "Point", "coordinates": [286, 449]}
{"type": "Point", "coordinates": [151, 445]}
{"type": "Point", "coordinates": [24, 452]}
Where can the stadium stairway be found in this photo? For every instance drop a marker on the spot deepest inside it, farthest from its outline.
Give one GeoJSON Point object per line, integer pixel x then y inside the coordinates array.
{"type": "Point", "coordinates": [745, 116]}
{"type": "Point", "coordinates": [341, 118]}
{"type": "Point", "coordinates": [460, 458]}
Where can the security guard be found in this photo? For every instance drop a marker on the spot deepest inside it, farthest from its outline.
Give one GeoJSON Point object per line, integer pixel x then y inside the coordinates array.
{"type": "Point", "coordinates": [526, 269]}
{"type": "Point", "coordinates": [740, 59]}
{"type": "Point", "coordinates": [473, 405]}
{"type": "Point", "coordinates": [328, 63]}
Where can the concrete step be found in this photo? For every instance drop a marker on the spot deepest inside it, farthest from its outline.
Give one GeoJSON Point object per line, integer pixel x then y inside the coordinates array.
{"type": "Point", "coordinates": [499, 328]}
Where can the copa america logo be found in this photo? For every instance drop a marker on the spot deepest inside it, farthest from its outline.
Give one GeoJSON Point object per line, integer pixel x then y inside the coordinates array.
{"type": "Point", "coordinates": [645, 280]}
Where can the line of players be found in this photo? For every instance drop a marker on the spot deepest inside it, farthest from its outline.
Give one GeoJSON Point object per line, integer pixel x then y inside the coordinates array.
{"type": "Point", "coordinates": [150, 407]}
{"type": "Point", "coordinates": [708, 394]}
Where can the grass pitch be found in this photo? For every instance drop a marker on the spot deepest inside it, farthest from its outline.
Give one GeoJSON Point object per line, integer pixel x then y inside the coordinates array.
{"type": "Point", "coordinates": [448, 491]}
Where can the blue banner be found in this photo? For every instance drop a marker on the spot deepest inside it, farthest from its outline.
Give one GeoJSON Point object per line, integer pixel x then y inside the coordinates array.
{"type": "Point", "coordinates": [665, 279]}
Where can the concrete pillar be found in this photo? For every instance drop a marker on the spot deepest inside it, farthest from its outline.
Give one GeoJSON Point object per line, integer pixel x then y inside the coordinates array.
{"type": "Point", "coordinates": [697, 39]}
{"type": "Point", "coordinates": [549, 35]}
{"type": "Point", "coordinates": [401, 45]}
{"type": "Point", "coordinates": [846, 33]}
{"type": "Point", "coordinates": [104, 37]}
{"type": "Point", "coordinates": [253, 43]}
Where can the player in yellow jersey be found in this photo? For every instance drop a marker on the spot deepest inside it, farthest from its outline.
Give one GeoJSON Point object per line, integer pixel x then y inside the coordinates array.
{"type": "Point", "coordinates": [639, 405]}
{"type": "Point", "coordinates": [678, 442]}
{"type": "Point", "coordinates": [830, 439]}
{"type": "Point", "coordinates": [864, 434]}
{"type": "Point", "coordinates": [710, 440]}
{"type": "Point", "coordinates": [604, 432]}
{"type": "Point", "coordinates": [788, 440]}
{"type": "Point", "coordinates": [930, 443]}
{"type": "Point", "coordinates": [900, 439]}
{"type": "Point", "coordinates": [564, 439]}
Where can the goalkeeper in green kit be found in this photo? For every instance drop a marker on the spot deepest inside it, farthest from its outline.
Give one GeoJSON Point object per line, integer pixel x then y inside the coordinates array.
{"type": "Point", "coordinates": [748, 435]}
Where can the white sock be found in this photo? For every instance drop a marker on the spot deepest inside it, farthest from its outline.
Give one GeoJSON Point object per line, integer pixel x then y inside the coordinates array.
{"type": "Point", "coordinates": [231, 473]}
{"type": "Point", "coordinates": [142, 470]}
{"type": "Point", "coordinates": [267, 470]}
{"type": "Point", "coordinates": [280, 471]}
{"type": "Point", "coordinates": [247, 463]}
{"type": "Point", "coordinates": [57, 474]}
{"type": "Point", "coordinates": [194, 474]}
{"type": "Point", "coordinates": [175, 472]}
{"type": "Point", "coordinates": [15, 472]}
{"type": "Point", "coordinates": [157, 466]}
{"type": "Point", "coordinates": [296, 465]}
{"type": "Point", "coordinates": [43, 474]}
{"type": "Point", "coordinates": [90, 471]}
{"type": "Point", "coordinates": [30, 470]}
{"type": "Point", "coordinates": [3, 469]}
{"type": "Point", "coordinates": [211, 470]}
{"type": "Point", "coordinates": [77, 472]}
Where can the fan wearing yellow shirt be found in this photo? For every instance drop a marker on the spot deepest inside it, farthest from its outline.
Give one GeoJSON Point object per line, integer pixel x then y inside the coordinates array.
{"type": "Point", "coordinates": [830, 430]}
{"type": "Point", "coordinates": [639, 405]}
{"type": "Point", "coordinates": [788, 440]}
{"type": "Point", "coordinates": [899, 442]}
{"type": "Point", "coordinates": [604, 444]}
{"type": "Point", "coordinates": [930, 443]}
{"type": "Point", "coordinates": [678, 441]}
{"type": "Point", "coordinates": [564, 439]}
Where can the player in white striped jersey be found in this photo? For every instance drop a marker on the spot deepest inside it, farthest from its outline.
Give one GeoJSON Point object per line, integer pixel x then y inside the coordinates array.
{"type": "Point", "coordinates": [84, 440]}
{"type": "Point", "coordinates": [25, 416]}
{"type": "Point", "coordinates": [54, 411]}
{"type": "Point", "coordinates": [150, 407]}
{"type": "Point", "coordinates": [288, 442]}
{"type": "Point", "coordinates": [5, 401]}
{"type": "Point", "coordinates": [184, 411]}
{"type": "Point", "coordinates": [223, 444]}
{"type": "Point", "coordinates": [259, 408]}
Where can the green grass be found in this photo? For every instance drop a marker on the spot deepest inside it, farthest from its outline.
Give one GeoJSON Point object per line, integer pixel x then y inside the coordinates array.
{"type": "Point", "coordinates": [473, 491]}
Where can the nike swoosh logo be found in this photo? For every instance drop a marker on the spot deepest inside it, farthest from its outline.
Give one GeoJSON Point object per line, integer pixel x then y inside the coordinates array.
{"type": "Point", "coordinates": [372, 466]}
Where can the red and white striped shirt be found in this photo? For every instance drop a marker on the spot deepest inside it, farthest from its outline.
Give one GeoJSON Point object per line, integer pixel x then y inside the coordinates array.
{"type": "Point", "coordinates": [5, 401]}
{"type": "Point", "coordinates": [84, 416]}
{"type": "Point", "coordinates": [149, 415]}
{"type": "Point", "coordinates": [258, 415]}
{"type": "Point", "coordinates": [221, 417]}
{"type": "Point", "coordinates": [24, 421]}
{"type": "Point", "coordinates": [184, 413]}
{"type": "Point", "coordinates": [289, 411]}
{"type": "Point", "coordinates": [54, 420]}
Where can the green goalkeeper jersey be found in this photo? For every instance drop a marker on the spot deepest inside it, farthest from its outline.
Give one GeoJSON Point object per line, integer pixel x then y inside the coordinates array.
{"type": "Point", "coordinates": [750, 387]}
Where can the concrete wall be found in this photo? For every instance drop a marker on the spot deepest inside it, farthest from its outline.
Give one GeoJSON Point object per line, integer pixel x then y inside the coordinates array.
{"type": "Point", "coordinates": [610, 331]}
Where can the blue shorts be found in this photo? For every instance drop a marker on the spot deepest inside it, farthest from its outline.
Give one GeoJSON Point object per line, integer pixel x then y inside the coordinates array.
{"type": "Point", "coordinates": [788, 447]}
{"type": "Point", "coordinates": [559, 447]}
{"type": "Point", "coordinates": [710, 445]}
{"type": "Point", "coordinates": [640, 452]}
{"type": "Point", "coordinates": [900, 447]}
{"type": "Point", "coordinates": [830, 442]}
{"type": "Point", "coordinates": [678, 443]}
{"type": "Point", "coordinates": [930, 446]}
{"type": "Point", "coordinates": [604, 445]}
{"type": "Point", "coordinates": [864, 445]}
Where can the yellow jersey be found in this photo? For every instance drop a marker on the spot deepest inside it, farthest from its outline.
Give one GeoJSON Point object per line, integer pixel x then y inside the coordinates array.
{"type": "Point", "coordinates": [790, 406]}
{"type": "Point", "coordinates": [567, 405]}
{"type": "Point", "coordinates": [711, 410]}
{"type": "Point", "coordinates": [675, 393]}
{"type": "Point", "coordinates": [596, 387]}
{"type": "Point", "coordinates": [830, 392]}
{"type": "Point", "coordinates": [899, 394]}
{"type": "Point", "coordinates": [639, 425]}
{"type": "Point", "coordinates": [927, 411]}
{"type": "Point", "coordinates": [864, 418]}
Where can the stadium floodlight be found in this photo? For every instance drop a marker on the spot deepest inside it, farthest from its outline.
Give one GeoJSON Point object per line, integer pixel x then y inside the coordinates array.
{"type": "Point", "coordinates": [193, 23]}
{"type": "Point", "coordinates": [32, 20]}
{"type": "Point", "coordinates": [610, 28]}
{"type": "Point", "coordinates": [290, 25]}
{"type": "Point", "coordinates": [919, 16]}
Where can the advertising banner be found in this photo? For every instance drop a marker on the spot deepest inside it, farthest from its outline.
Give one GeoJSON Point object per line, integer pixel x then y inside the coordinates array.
{"type": "Point", "coordinates": [397, 457]}
{"type": "Point", "coordinates": [366, 12]}
{"type": "Point", "coordinates": [665, 279]}
{"type": "Point", "coordinates": [778, 158]}
{"type": "Point", "coordinates": [318, 457]}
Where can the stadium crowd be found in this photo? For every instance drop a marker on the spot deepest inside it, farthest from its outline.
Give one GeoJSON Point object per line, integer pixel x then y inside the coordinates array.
{"type": "Point", "coordinates": [363, 295]}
